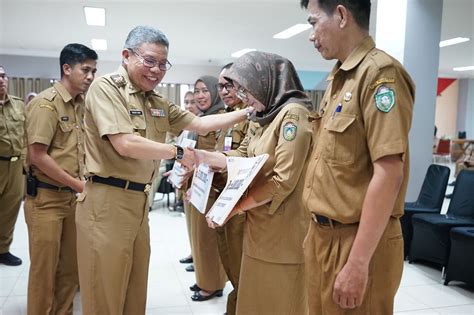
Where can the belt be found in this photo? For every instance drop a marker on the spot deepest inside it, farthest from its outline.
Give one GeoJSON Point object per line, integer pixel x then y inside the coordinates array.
{"type": "Point", "coordinates": [322, 220]}
{"type": "Point", "coordinates": [121, 183]}
{"type": "Point", "coordinates": [11, 158]}
{"type": "Point", "coordinates": [53, 187]}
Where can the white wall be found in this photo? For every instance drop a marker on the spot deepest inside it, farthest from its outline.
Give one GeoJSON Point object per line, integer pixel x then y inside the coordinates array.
{"type": "Point", "coordinates": [447, 111]}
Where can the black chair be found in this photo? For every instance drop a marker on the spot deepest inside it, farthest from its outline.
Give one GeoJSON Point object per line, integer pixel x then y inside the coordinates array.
{"type": "Point", "coordinates": [430, 200]}
{"type": "Point", "coordinates": [461, 258]}
{"type": "Point", "coordinates": [431, 240]}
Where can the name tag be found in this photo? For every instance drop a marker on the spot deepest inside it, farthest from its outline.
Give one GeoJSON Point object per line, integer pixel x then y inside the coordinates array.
{"type": "Point", "coordinates": [65, 118]}
{"type": "Point", "coordinates": [157, 112]}
{"type": "Point", "coordinates": [227, 143]}
{"type": "Point", "coordinates": [135, 112]}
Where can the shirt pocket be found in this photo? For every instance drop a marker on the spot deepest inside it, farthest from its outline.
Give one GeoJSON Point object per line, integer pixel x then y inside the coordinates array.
{"type": "Point", "coordinates": [341, 135]}
{"type": "Point", "coordinates": [62, 134]}
{"type": "Point", "coordinates": [139, 125]}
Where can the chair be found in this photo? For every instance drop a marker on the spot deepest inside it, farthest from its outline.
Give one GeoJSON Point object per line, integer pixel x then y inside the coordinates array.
{"type": "Point", "coordinates": [443, 150]}
{"type": "Point", "coordinates": [431, 240]}
{"type": "Point", "coordinates": [461, 258]}
{"type": "Point", "coordinates": [165, 187]}
{"type": "Point", "coordinates": [430, 200]}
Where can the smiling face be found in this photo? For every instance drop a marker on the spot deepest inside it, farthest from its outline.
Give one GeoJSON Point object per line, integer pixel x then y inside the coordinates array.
{"type": "Point", "coordinates": [143, 77]}
{"type": "Point", "coordinates": [227, 91]}
{"type": "Point", "coordinates": [247, 98]}
{"type": "Point", "coordinates": [202, 96]}
{"type": "Point", "coordinates": [325, 34]}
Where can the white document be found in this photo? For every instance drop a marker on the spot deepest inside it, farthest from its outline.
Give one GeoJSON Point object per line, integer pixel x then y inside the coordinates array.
{"type": "Point", "coordinates": [176, 177]}
{"type": "Point", "coordinates": [240, 173]}
{"type": "Point", "coordinates": [201, 186]}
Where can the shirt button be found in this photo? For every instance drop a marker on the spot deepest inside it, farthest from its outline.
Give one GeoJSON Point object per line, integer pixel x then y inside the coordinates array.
{"type": "Point", "coordinates": [334, 97]}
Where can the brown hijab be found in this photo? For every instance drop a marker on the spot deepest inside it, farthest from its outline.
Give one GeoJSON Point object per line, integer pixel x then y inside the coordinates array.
{"type": "Point", "coordinates": [271, 79]}
{"type": "Point", "coordinates": [216, 103]}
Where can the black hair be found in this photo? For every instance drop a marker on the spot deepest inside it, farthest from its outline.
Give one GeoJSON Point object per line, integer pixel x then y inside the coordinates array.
{"type": "Point", "coordinates": [73, 54]}
{"type": "Point", "coordinates": [360, 9]}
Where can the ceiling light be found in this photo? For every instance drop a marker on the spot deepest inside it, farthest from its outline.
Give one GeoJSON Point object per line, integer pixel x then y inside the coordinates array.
{"type": "Point", "coordinates": [99, 44]}
{"type": "Point", "coordinates": [292, 31]}
{"type": "Point", "coordinates": [468, 68]}
{"type": "Point", "coordinates": [242, 52]}
{"type": "Point", "coordinates": [95, 16]}
{"type": "Point", "coordinates": [453, 41]}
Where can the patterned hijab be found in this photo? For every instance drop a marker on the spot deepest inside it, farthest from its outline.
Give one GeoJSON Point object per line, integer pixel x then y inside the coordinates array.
{"type": "Point", "coordinates": [271, 79]}
{"type": "Point", "coordinates": [216, 103]}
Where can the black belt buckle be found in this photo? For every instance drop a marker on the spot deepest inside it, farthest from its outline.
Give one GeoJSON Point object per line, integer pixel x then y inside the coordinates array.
{"type": "Point", "coordinates": [322, 220]}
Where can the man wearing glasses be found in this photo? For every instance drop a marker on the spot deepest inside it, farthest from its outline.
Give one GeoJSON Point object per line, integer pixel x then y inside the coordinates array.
{"type": "Point", "coordinates": [230, 236]}
{"type": "Point", "coordinates": [126, 125]}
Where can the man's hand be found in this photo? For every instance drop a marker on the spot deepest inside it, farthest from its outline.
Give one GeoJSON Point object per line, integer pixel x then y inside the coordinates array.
{"type": "Point", "coordinates": [79, 186]}
{"type": "Point", "coordinates": [350, 285]}
{"type": "Point", "coordinates": [189, 160]}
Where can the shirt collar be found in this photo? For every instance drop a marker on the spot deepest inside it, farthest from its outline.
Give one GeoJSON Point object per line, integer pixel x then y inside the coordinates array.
{"type": "Point", "coordinates": [62, 92]}
{"type": "Point", "coordinates": [354, 58]}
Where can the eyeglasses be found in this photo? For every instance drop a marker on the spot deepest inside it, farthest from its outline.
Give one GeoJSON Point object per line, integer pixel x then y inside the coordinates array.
{"type": "Point", "coordinates": [151, 63]}
{"type": "Point", "coordinates": [242, 95]}
{"type": "Point", "coordinates": [227, 86]}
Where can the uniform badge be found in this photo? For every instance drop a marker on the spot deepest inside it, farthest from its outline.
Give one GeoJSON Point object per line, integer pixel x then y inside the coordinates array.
{"type": "Point", "coordinates": [65, 118]}
{"type": "Point", "coordinates": [347, 96]}
{"type": "Point", "coordinates": [384, 99]}
{"type": "Point", "coordinates": [135, 112]}
{"type": "Point", "coordinates": [289, 131]}
{"type": "Point", "coordinates": [118, 80]}
{"type": "Point", "coordinates": [157, 112]}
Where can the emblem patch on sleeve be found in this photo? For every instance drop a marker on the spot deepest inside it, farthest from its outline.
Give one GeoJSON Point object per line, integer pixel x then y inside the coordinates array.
{"type": "Point", "coordinates": [289, 131]}
{"type": "Point", "coordinates": [384, 99]}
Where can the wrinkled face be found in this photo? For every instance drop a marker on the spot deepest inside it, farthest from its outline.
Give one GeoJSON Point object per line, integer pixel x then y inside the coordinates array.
{"type": "Point", "coordinates": [247, 98]}
{"type": "Point", "coordinates": [145, 78]}
{"type": "Point", "coordinates": [325, 32]}
{"type": "Point", "coordinates": [202, 96]}
{"type": "Point", "coordinates": [227, 91]}
{"type": "Point", "coordinates": [3, 82]}
{"type": "Point", "coordinates": [81, 75]}
{"type": "Point", "coordinates": [190, 104]}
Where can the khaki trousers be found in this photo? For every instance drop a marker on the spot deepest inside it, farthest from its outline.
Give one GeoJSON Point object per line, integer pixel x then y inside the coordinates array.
{"type": "Point", "coordinates": [113, 246]}
{"type": "Point", "coordinates": [53, 279]}
{"type": "Point", "coordinates": [230, 243]}
{"type": "Point", "coordinates": [267, 288]}
{"type": "Point", "coordinates": [210, 274]}
{"type": "Point", "coordinates": [187, 214]}
{"type": "Point", "coordinates": [12, 184]}
{"type": "Point", "coordinates": [326, 252]}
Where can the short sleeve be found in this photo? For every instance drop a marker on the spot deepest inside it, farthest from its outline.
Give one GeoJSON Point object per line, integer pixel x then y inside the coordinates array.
{"type": "Point", "coordinates": [41, 122]}
{"type": "Point", "coordinates": [108, 108]}
{"type": "Point", "coordinates": [179, 118]}
{"type": "Point", "coordinates": [387, 112]}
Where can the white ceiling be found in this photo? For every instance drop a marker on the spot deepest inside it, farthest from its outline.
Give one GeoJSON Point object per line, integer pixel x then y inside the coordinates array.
{"type": "Point", "coordinates": [201, 32]}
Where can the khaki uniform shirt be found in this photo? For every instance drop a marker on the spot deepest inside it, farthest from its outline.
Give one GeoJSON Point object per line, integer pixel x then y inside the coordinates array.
{"type": "Point", "coordinates": [275, 231]}
{"type": "Point", "coordinates": [357, 127]}
{"type": "Point", "coordinates": [55, 119]}
{"type": "Point", "coordinates": [113, 106]}
{"type": "Point", "coordinates": [229, 139]}
{"type": "Point", "coordinates": [12, 127]}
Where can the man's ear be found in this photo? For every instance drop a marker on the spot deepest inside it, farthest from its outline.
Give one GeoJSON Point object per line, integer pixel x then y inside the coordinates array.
{"type": "Point", "coordinates": [125, 56]}
{"type": "Point", "coordinates": [67, 69]}
{"type": "Point", "coordinates": [343, 15]}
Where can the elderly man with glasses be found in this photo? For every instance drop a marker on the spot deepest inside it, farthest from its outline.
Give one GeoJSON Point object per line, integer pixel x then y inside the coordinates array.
{"type": "Point", "coordinates": [126, 124]}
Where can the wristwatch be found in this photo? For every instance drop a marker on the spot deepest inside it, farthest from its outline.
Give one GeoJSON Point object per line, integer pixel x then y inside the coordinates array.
{"type": "Point", "coordinates": [179, 152]}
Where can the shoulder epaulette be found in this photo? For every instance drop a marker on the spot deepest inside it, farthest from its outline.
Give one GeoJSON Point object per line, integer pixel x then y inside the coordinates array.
{"type": "Point", "coordinates": [50, 95]}
{"type": "Point", "coordinates": [118, 80]}
{"type": "Point", "coordinates": [381, 59]}
{"type": "Point", "coordinates": [15, 97]}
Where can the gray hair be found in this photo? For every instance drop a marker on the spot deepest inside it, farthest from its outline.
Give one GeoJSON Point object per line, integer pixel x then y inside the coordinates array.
{"type": "Point", "coordinates": [145, 34]}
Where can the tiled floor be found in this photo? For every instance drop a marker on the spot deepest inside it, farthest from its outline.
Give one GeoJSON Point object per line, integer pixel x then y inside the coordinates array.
{"type": "Point", "coordinates": [421, 290]}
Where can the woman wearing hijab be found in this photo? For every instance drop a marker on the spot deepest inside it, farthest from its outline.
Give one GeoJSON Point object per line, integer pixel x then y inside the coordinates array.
{"type": "Point", "coordinates": [210, 274]}
{"type": "Point", "coordinates": [272, 271]}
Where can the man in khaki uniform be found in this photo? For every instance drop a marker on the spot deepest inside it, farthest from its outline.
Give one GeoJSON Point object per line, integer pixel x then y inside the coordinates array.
{"type": "Point", "coordinates": [230, 236]}
{"type": "Point", "coordinates": [12, 155]}
{"type": "Point", "coordinates": [55, 132]}
{"type": "Point", "coordinates": [358, 173]}
{"type": "Point", "coordinates": [126, 124]}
